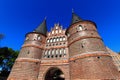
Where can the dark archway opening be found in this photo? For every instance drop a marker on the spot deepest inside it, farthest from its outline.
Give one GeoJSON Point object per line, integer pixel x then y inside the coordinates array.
{"type": "Point", "coordinates": [54, 74]}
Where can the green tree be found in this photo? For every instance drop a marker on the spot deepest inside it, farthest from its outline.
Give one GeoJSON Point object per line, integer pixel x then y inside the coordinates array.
{"type": "Point", "coordinates": [7, 58]}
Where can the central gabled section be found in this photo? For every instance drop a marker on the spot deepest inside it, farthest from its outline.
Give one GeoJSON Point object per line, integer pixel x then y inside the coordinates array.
{"type": "Point", "coordinates": [56, 44]}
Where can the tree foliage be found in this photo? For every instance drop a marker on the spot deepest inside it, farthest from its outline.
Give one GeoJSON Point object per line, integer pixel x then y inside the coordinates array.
{"type": "Point", "coordinates": [7, 58]}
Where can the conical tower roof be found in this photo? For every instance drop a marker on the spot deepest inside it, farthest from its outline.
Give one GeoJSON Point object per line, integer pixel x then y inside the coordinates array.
{"type": "Point", "coordinates": [42, 28]}
{"type": "Point", "coordinates": [75, 18]}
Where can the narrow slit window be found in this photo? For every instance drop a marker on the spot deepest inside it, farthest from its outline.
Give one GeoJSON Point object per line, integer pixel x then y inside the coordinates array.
{"type": "Point", "coordinates": [82, 45]}
{"type": "Point", "coordinates": [28, 52]}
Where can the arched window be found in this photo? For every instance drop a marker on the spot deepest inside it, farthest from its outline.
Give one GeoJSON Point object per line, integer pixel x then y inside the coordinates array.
{"type": "Point", "coordinates": [68, 34]}
{"type": "Point", "coordinates": [52, 53]}
{"type": "Point", "coordinates": [39, 37]}
{"type": "Point", "coordinates": [56, 53]}
{"type": "Point", "coordinates": [64, 39]}
{"type": "Point", "coordinates": [60, 38]}
{"type": "Point", "coordinates": [49, 52]}
{"type": "Point", "coordinates": [57, 39]}
{"type": "Point", "coordinates": [52, 32]}
{"type": "Point", "coordinates": [64, 52]}
{"type": "Point", "coordinates": [53, 39]}
{"type": "Point", "coordinates": [45, 54]}
{"type": "Point", "coordinates": [56, 31]}
{"type": "Point", "coordinates": [60, 53]}
{"type": "Point", "coordinates": [60, 31]}
{"type": "Point", "coordinates": [48, 41]}
{"type": "Point", "coordinates": [79, 28]}
{"type": "Point", "coordinates": [56, 27]}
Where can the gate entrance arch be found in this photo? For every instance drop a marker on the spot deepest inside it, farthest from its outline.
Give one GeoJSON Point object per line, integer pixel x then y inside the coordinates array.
{"type": "Point", "coordinates": [54, 74]}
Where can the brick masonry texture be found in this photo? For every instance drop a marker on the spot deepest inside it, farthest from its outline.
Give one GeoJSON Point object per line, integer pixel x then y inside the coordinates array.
{"type": "Point", "coordinates": [77, 53]}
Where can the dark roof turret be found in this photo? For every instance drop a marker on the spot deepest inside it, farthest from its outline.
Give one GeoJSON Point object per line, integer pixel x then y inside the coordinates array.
{"type": "Point", "coordinates": [75, 18]}
{"type": "Point", "coordinates": [42, 28]}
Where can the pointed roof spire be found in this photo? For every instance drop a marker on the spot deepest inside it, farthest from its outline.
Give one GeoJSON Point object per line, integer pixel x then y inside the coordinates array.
{"type": "Point", "coordinates": [75, 18]}
{"type": "Point", "coordinates": [42, 28]}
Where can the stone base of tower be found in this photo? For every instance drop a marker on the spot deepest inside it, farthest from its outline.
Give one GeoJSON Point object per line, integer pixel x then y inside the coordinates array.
{"type": "Point", "coordinates": [24, 70]}
{"type": "Point", "coordinates": [93, 67]}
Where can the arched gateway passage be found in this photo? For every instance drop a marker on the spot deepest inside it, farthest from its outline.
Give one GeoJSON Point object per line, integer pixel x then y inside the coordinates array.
{"type": "Point", "coordinates": [54, 74]}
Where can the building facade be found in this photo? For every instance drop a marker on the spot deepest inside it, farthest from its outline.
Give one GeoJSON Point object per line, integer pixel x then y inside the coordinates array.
{"type": "Point", "coordinates": [116, 58]}
{"type": "Point", "coordinates": [77, 53]}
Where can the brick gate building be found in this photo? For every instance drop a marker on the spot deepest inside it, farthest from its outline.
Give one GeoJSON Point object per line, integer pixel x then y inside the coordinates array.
{"type": "Point", "coordinates": [74, 54]}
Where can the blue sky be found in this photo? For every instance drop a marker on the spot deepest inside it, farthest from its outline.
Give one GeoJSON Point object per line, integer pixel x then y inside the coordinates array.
{"type": "Point", "coordinates": [17, 17]}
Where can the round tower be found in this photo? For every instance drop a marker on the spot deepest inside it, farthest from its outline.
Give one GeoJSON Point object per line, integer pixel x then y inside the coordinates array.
{"type": "Point", "coordinates": [89, 58]}
{"type": "Point", "coordinates": [27, 64]}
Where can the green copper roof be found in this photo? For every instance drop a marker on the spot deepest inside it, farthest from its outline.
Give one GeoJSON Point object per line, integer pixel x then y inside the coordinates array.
{"type": "Point", "coordinates": [75, 18]}
{"type": "Point", "coordinates": [42, 28]}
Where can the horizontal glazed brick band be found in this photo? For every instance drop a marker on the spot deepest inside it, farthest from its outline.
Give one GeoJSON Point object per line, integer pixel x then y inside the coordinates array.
{"type": "Point", "coordinates": [88, 55]}
{"type": "Point", "coordinates": [31, 45]}
{"type": "Point", "coordinates": [83, 37]}
{"type": "Point", "coordinates": [54, 64]}
{"type": "Point", "coordinates": [80, 32]}
{"type": "Point", "coordinates": [55, 47]}
{"type": "Point", "coordinates": [60, 62]}
{"type": "Point", "coordinates": [27, 60]}
{"type": "Point", "coordinates": [83, 22]}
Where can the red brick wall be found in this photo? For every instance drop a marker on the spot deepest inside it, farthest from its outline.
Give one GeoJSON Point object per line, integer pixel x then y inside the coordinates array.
{"type": "Point", "coordinates": [27, 64]}
{"type": "Point", "coordinates": [101, 67]}
{"type": "Point", "coordinates": [24, 71]}
{"type": "Point", "coordinates": [85, 40]}
{"type": "Point", "coordinates": [85, 46]}
{"type": "Point", "coordinates": [88, 55]}
{"type": "Point", "coordinates": [30, 52]}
